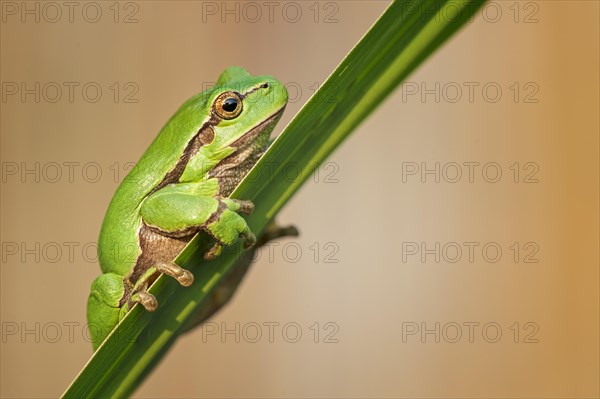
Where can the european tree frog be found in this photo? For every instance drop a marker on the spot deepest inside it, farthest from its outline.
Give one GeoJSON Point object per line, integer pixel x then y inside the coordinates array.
{"type": "Point", "coordinates": [180, 186]}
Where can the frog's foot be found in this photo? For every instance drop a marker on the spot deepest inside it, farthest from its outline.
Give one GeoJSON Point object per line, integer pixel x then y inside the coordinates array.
{"type": "Point", "coordinates": [217, 248]}
{"type": "Point", "coordinates": [183, 276]}
{"type": "Point", "coordinates": [273, 231]}
{"type": "Point", "coordinates": [227, 226]}
{"type": "Point", "coordinates": [140, 292]}
{"type": "Point", "coordinates": [147, 300]}
{"type": "Point", "coordinates": [243, 206]}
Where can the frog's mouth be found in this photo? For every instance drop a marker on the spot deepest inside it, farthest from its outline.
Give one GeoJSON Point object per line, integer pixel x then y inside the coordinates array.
{"type": "Point", "coordinates": [265, 127]}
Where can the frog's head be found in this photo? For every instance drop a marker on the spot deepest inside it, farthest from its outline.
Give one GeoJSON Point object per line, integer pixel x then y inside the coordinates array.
{"type": "Point", "coordinates": [244, 108]}
{"type": "Point", "coordinates": [227, 127]}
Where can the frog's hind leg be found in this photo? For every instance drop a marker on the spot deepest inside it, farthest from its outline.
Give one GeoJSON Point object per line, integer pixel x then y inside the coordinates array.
{"type": "Point", "coordinates": [178, 211]}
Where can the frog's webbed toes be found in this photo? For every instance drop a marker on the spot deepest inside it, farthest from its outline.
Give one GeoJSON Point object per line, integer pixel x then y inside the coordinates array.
{"type": "Point", "coordinates": [147, 300]}
{"type": "Point", "coordinates": [243, 206]}
{"type": "Point", "coordinates": [183, 276]}
{"type": "Point", "coordinates": [228, 235]}
{"type": "Point", "coordinates": [246, 207]}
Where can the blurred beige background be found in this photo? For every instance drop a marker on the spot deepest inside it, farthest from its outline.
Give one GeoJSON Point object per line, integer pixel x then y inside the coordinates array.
{"type": "Point", "coordinates": [515, 93]}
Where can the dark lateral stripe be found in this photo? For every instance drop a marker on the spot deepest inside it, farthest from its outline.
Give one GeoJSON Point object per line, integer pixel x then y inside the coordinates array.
{"type": "Point", "coordinates": [205, 135]}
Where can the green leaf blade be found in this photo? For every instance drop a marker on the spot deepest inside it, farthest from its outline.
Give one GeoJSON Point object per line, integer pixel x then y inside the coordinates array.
{"type": "Point", "coordinates": [396, 44]}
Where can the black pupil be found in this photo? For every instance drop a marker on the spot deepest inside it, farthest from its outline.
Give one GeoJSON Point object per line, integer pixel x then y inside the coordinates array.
{"type": "Point", "coordinates": [230, 104]}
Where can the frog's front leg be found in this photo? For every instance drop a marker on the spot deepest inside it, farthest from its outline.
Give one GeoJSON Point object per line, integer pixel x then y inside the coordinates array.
{"type": "Point", "coordinates": [182, 209]}
{"type": "Point", "coordinates": [225, 225]}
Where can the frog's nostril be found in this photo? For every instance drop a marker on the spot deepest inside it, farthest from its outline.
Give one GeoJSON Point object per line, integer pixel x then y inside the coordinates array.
{"type": "Point", "coordinates": [265, 85]}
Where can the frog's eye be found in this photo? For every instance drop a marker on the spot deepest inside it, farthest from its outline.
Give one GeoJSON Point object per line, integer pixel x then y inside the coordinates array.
{"type": "Point", "coordinates": [228, 105]}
